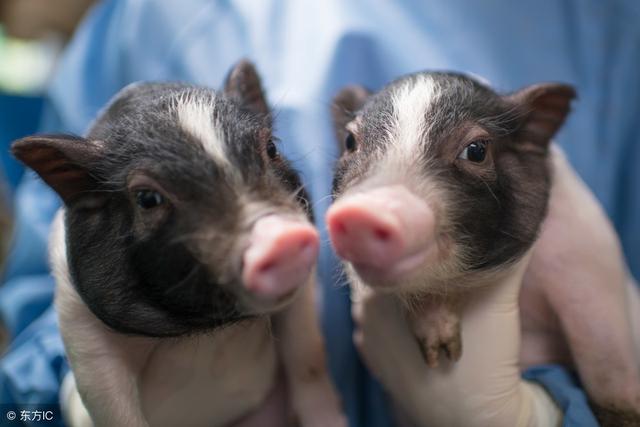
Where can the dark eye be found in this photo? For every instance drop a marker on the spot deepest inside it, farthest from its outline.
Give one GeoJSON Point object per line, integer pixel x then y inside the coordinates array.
{"type": "Point", "coordinates": [272, 150]}
{"type": "Point", "coordinates": [350, 143]}
{"type": "Point", "coordinates": [148, 199]}
{"type": "Point", "coordinates": [474, 152]}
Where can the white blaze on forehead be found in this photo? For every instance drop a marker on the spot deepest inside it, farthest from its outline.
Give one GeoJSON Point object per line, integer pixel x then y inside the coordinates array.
{"type": "Point", "coordinates": [196, 117]}
{"type": "Point", "coordinates": [410, 104]}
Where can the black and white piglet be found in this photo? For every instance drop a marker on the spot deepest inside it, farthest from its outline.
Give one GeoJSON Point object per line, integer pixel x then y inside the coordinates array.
{"type": "Point", "coordinates": [443, 185]}
{"type": "Point", "coordinates": [184, 259]}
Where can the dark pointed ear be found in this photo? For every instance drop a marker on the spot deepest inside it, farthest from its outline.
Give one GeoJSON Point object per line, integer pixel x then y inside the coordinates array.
{"type": "Point", "coordinates": [545, 107]}
{"type": "Point", "coordinates": [243, 84]}
{"type": "Point", "coordinates": [345, 106]}
{"type": "Point", "coordinates": [62, 161]}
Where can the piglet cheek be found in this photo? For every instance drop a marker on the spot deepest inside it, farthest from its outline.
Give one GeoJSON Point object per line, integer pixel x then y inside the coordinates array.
{"type": "Point", "coordinates": [382, 228]}
{"type": "Point", "coordinates": [280, 258]}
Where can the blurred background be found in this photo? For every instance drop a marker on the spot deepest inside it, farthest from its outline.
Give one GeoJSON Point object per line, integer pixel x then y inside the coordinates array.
{"type": "Point", "coordinates": [32, 36]}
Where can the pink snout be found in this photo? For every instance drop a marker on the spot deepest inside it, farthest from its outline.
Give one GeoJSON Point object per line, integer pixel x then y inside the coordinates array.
{"type": "Point", "coordinates": [280, 257]}
{"type": "Point", "coordinates": [384, 233]}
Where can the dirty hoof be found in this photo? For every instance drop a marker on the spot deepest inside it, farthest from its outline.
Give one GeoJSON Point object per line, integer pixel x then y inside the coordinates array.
{"type": "Point", "coordinates": [439, 332]}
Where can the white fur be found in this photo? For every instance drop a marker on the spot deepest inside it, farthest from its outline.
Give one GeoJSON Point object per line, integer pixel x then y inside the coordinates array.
{"type": "Point", "coordinates": [196, 117]}
{"type": "Point", "coordinates": [410, 104]}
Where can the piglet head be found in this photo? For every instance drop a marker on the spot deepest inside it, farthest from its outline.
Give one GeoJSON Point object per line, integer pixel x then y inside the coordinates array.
{"type": "Point", "coordinates": [181, 214]}
{"type": "Point", "coordinates": [440, 178]}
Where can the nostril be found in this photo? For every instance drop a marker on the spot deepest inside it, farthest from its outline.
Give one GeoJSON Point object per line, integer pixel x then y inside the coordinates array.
{"type": "Point", "coordinates": [305, 244]}
{"type": "Point", "coordinates": [340, 228]}
{"type": "Point", "coordinates": [382, 234]}
{"type": "Point", "coordinates": [267, 266]}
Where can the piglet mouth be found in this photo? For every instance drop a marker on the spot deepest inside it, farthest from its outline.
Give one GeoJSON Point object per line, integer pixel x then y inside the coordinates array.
{"type": "Point", "coordinates": [386, 233]}
{"type": "Point", "coordinates": [280, 257]}
{"type": "Point", "coordinates": [385, 274]}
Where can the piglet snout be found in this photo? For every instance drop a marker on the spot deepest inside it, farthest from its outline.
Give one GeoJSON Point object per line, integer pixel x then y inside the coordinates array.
{"type": "Point", "coordinates": [382, 232]}
{"type": "Point", "coordinates": [280, 257]}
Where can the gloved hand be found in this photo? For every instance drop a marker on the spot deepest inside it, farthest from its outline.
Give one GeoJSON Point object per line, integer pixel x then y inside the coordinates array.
{"type": "Point", "coordinates": [577, 246]}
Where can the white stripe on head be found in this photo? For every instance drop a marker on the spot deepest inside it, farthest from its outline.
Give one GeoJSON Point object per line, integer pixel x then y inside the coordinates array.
{"type": "Point", "coordinates": [410, 104]}
{"type": "Point", "coordinates": [196, 117]}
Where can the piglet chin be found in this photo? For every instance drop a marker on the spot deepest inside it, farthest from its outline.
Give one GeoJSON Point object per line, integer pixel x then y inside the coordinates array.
{"type": "Point", "coordinates": [280, 258]}
{"type": "Point", "coordinates": [386, 233]}
{"type": "Point", "coordinates": [386, 276]}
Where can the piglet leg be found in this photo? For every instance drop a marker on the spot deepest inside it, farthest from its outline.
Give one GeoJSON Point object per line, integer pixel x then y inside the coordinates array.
{"type": "Point", "coordinates": [436, 325]}
{"type": "Point", "coordinates": [301, 347]}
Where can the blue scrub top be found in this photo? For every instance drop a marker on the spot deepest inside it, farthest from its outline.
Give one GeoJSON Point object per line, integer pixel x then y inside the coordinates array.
{"type": "Point", "coordinates": [306, 51]}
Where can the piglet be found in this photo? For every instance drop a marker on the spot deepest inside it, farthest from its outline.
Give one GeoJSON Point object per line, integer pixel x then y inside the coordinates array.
{"type": "Point", "coordinates": [184, 259]}
{"type": "Point", "coordinates": [442, 186]}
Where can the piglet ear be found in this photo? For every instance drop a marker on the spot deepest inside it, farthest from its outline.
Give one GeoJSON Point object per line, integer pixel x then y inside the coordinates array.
{"type": "Point", "coordinates": [62, 161]}
{"type": "Point", "coordinates": [243, 84]}
{"type": "Point", "coordinates": [345, 105]}
{"type": "Point", "coordinates": [545, 107]}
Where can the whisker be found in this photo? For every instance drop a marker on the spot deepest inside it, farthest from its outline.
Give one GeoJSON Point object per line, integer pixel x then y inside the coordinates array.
{"type": "Point", "coordinates": [321, 200]}
{"type": "Point", "coordinates": [186, 278]}
{"type": "Point", "coordinates": [490, 190]}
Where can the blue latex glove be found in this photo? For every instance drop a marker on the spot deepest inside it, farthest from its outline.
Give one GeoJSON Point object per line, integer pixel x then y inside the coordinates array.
{"type": "Point", "coordinates": [306, 51]}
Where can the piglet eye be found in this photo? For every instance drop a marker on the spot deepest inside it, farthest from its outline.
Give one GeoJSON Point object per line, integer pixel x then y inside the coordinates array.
{"type": "Point", "coordinates": [474, 152]}
{"type": "Point", "coordinates": [149, 199]}
{"type": "Point", "coordinates": [272, 150]}
{"type": "Point", "coordinates": [350, 143]}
